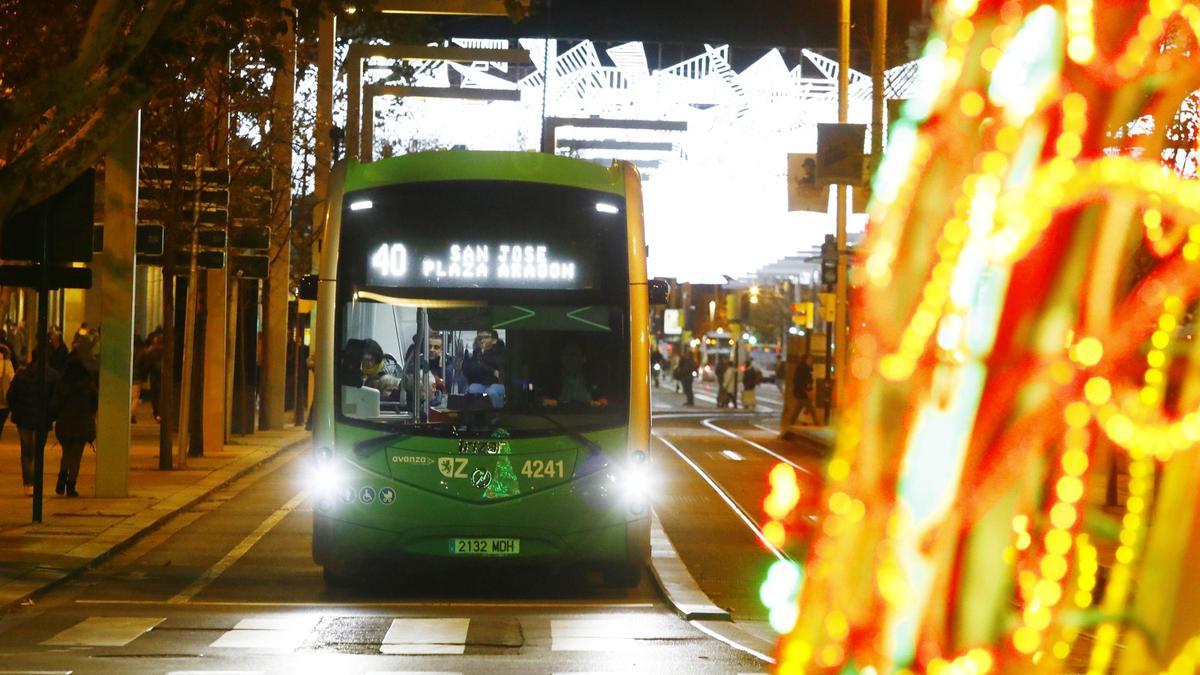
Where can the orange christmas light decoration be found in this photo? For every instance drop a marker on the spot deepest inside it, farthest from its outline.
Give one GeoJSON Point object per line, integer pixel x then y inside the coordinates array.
{"type": "Point", "coordinates": [1030, 264]}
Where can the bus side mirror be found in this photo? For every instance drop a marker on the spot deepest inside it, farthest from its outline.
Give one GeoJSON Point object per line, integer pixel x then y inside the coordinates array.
{"type": "Point", "coordinates": [659, 290]}
{"type": "Point", "coordinates": [308, 287]}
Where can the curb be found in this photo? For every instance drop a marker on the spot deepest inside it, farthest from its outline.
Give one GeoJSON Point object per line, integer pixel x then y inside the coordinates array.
{"type": "Point", "coordinates": [125, 533]}
{"type": "Point", "coordinates": [674, 581]}
{"type": "Point", "coordinates": [679, 588]}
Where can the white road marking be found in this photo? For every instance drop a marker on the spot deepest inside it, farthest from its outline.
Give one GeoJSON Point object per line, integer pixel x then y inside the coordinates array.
{"type": "Point", "coordinates": [275, 633]}
{"type": "Point", "coordinates": [732, 643]}
{"type": "Point", "coordinates": [765, 428]}
{"type": "Point", "coordinates": [708, 423]}
{"type": "Point", "coordinates": [426, 636]}
{"type": "Point", "coordinates": [593, 635]}
{"type": "Point", "coordinates": [728, 500]}
{"type": "Point", "coordinates": [104, 631]}
{"type": "Point", "coordinates": [238, 551]}
{"type": "Point", "coordinates": [215, 671]}
{"type": "Point", "coordinates": [733, 455]}
{"type": "Point", "coordinates": [415, 603]}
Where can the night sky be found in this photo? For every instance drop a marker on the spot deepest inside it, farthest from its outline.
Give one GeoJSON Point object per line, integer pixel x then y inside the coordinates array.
{"type": "Point", "coordinates": [745, 23]}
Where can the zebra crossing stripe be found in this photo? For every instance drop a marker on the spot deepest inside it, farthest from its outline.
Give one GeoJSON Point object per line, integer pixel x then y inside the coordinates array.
{"type": "Point", "coordinates": [426, 636]}
{"type": "Point", "coordinates": [275, 633]}
{"type": "Point", "coordinates": [104, 631]}
{"type": "Point", "coordinates": [593, 635]}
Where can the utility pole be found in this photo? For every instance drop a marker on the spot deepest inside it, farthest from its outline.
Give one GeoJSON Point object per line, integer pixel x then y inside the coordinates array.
{"type": "Point", "coordinates": [326, 42]}
{"type": "Point", "coordinates": [878, 83]}
{"type": "Point", "coordinates": [117, 285]}
{"type": "Point", "coordinates": [183, 444]}
{"type": "Point", "coordinates": [841, 318]}
{"type": "Point", "coordinates": [275, 315]}
{"type": "Point", "coordinates": [215, 375]}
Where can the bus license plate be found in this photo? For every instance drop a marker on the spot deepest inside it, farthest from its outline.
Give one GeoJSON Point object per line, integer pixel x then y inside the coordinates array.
{"type": "Point", "coordinates": [487, 546]}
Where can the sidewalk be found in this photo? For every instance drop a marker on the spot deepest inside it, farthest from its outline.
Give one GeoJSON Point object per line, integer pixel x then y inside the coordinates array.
{"type": "Point", "coordinates": [76, 533]}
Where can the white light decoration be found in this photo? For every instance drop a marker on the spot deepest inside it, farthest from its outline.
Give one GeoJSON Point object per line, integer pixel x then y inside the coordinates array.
{"type": "Point", "coordinates": [361, 205]}
{"type": "Point", "coordinates": [714, 166]}
{"type": "Point", "coordinates": [605, 207]}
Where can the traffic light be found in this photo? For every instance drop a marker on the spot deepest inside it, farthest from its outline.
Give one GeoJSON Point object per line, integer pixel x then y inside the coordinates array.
{"type": "Point", "coordinates": [754, 295]}
{"type": "Point", "coordinates": [829, 261]}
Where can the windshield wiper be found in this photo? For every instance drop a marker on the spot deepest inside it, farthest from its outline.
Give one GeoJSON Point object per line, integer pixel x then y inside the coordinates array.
{"type": "Point", "coordinates": [592, 446]}
{"type": "Point", "coordinates": [370, 445]}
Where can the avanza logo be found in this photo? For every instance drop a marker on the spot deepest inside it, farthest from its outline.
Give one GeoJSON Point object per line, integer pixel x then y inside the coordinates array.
{"type": "Point", "coordinates": [412, 459]}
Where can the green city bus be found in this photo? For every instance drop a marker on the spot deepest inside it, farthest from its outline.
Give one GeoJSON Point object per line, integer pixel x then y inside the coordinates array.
{"type": "Point", "coordinates": [482, 388]}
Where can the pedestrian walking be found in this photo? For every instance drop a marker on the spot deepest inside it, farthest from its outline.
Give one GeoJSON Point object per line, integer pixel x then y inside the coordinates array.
{"type": "Point", "coordinates": [727, 381]}
{"type": "Point", "coordinates": [29, 401]}
{"type": "Point", "coordinates": [802, 382]}
{"type": "Point", "coordinates": [56, 358]}
{"type": "Point", "coordinates": [75, 400]}
{"type": "Point", "coordinates": [673, 364]}
{"type": "Point", "coordinates": [685, 372]}
{"type": "Point", "coordinates": [152, 366]}
{"type": "Point", "coordinates": [750, 380]}
{"type": "Point", "coordinates": [657, 362]}
{"type": "Point", "coordinates": [7, 372]}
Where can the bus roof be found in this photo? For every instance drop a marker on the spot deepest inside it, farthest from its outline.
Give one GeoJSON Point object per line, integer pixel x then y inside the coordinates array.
{"type": "Point", "coordinates": [536, 167]}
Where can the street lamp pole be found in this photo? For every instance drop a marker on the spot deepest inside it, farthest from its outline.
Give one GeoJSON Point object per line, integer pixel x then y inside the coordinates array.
{"type": "Point", "coordinates": [878, 93]}
{"type": "Point", "coordinates": [841, 318]}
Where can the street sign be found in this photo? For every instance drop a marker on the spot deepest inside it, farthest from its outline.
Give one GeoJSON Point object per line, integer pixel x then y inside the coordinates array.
{"type": "Point", "coordinates": [163, 189]}
{"type": "Point", "coordinates": [672, 321]}
{"type": "Point", "coordinates": [805, 193]}
{"type": "Point", "coordinates": [250, 237]}
{"type": "Point", "coordinates": [250, 266]}
{"type": "Point", "coordinates": [166, 174]}
{"type": "Point", "coordinates": [802, 314]}
{"type": "Point", "coordinates": [828, 305]}
{"type": "Point", "coordinates": [149, 240]}
{"type": "Point", "coordinates": [210, 238]}
{"type": "Point", "coordinates": [68, 216]}
{"type": "Point", "coordinates": [30, 276]}
{"type": "Point", "coordinates": [210, 260]}
{"type": "Point", "coordinates": [840, 153]}
{"type": "Point", "coordinates": [208, 194]}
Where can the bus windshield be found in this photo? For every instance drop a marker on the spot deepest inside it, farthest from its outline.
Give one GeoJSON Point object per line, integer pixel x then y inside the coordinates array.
{"type": "Point", "coordinates": [432, 365]}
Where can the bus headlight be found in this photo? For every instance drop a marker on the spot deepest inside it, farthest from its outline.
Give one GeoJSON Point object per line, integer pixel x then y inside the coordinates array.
{"type": "Point", "coordinates": [324, 480]}
{"type": "Point", "coordinates": [636, 483]}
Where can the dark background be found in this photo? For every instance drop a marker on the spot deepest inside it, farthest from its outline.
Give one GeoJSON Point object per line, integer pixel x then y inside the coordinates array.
{"type": "Point", "coordinates": [744, 23]}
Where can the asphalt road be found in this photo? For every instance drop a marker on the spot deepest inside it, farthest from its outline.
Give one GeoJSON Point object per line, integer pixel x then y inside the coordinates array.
{"type": "Point", "coordinates": [229, 586]}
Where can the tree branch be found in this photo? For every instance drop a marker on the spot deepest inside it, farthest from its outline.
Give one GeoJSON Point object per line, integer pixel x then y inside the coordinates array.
{"type": "Point", "coordinates": [46, 107]}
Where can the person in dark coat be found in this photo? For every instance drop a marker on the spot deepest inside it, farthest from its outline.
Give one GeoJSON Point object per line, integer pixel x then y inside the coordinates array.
{"type": "Point", "coordinates": [76, 400]}
{"type": "Point", "coordinates": [802, 384]}
{"type": "Point", "coordinates": [485, 367]}
{"type": "Point", "coordinates": [56, 358]}
{"type": "Point", "coordinates": [30, 404]}
{"type": "Point", "coordinates": [150, 365]}
{"type": "Point", "coordinates": [685, 371]}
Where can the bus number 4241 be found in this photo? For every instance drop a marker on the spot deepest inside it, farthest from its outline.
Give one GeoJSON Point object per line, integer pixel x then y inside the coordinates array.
{"type": "Point", "coordinates": [536, 468]}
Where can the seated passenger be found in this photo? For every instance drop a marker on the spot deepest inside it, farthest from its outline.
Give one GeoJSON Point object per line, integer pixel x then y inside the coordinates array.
{"type": "Point", "coordinates": [349, 369]}
{"type": "Point", "coordinates": [381, 371]}
{"type": "Point", "coordinates": [572, 386]}
{"type": "Point", "coordinates": [432, 363]}
{"type": "Point", "coordinates": [484, 368]}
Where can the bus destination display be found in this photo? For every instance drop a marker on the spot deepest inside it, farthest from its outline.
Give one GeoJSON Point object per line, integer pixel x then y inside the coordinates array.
{"type": "Point", "coordinates": [514, 264]}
